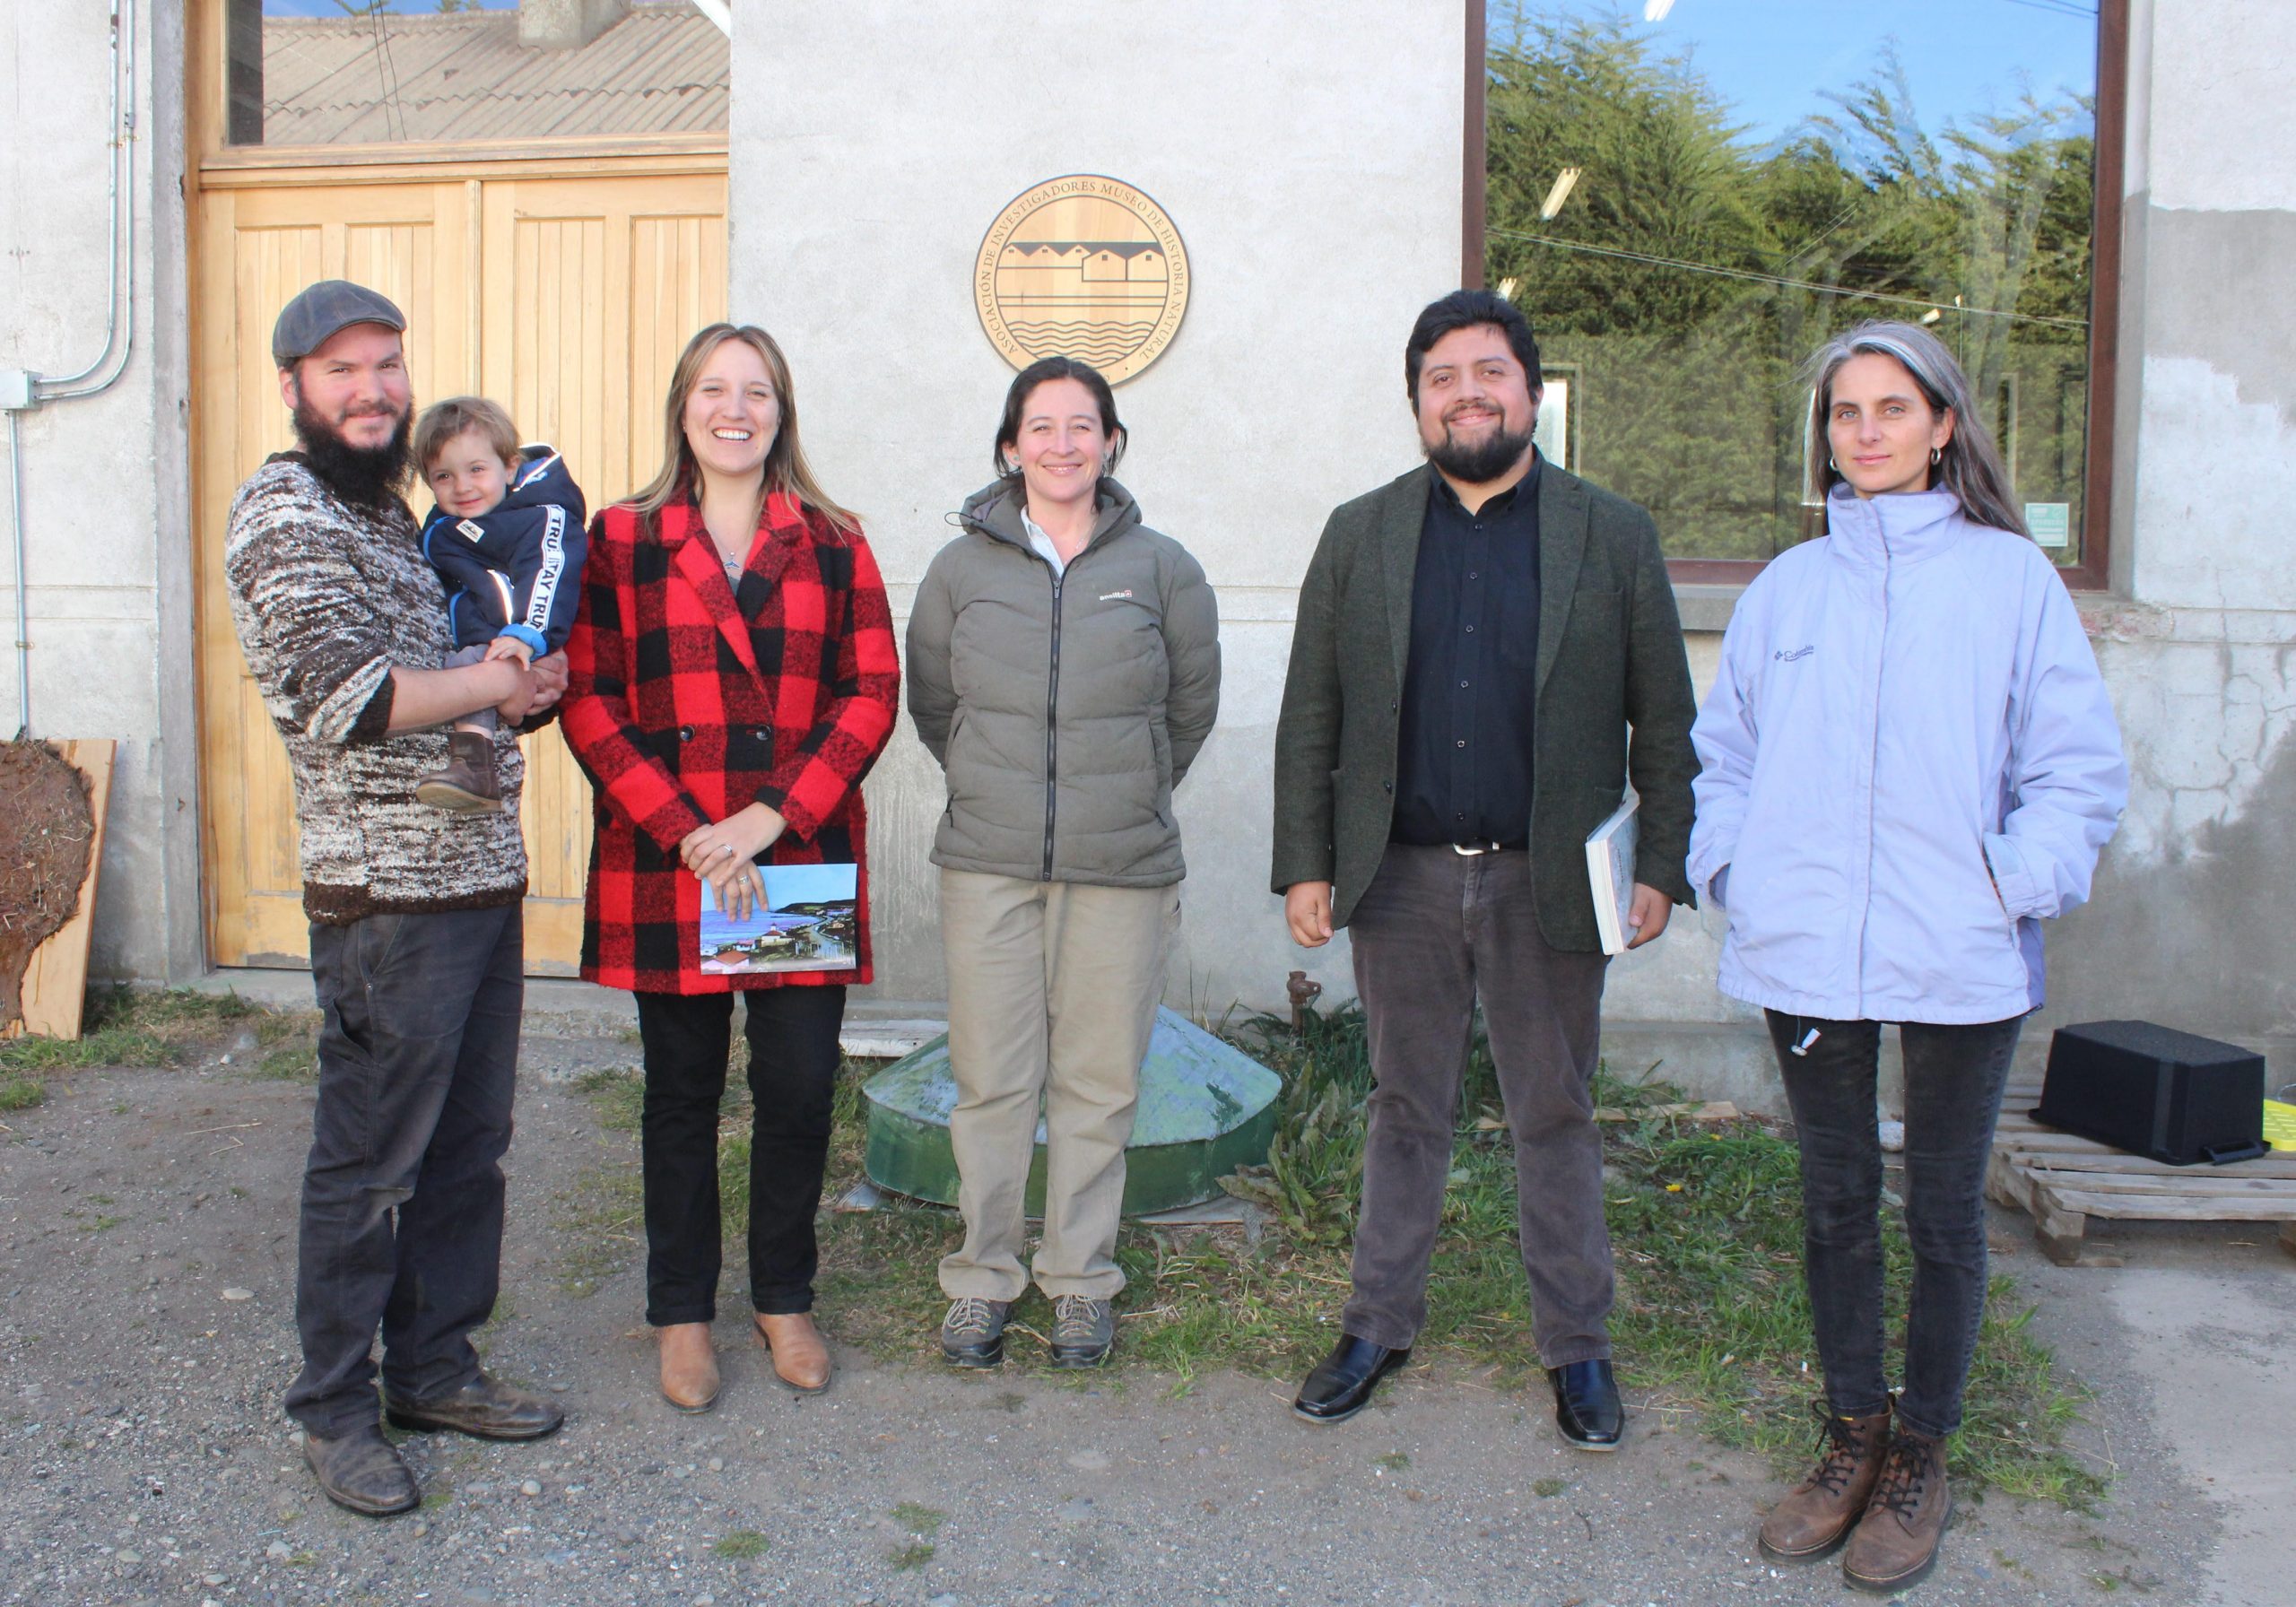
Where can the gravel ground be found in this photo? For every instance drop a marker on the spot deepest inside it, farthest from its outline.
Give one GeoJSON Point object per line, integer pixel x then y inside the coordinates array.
{"type": "Point", "coordinates": [147, 1262]}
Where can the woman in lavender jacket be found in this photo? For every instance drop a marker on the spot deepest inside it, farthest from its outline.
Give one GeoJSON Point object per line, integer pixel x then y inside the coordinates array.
{"type": "Point", "coordinates": [1909, 762]}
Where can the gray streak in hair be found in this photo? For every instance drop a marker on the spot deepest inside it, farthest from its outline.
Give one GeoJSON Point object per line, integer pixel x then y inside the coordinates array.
{"type": "Point", "coordinates": [1970, 465]}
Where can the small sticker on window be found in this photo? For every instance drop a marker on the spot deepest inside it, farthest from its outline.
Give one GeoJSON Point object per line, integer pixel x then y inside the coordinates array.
{"type": "Point", "coordinates": [2051, 523]}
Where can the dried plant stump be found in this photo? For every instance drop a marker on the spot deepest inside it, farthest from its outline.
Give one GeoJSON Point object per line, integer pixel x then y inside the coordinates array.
{"type": "Point", "coordinates": [52, 799]}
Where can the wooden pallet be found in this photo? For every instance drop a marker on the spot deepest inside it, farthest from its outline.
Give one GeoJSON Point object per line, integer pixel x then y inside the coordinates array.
{"type": "Point", "coordinates": [2063, 1180]}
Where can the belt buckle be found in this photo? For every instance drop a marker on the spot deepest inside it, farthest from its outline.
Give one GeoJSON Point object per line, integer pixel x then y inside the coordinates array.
{"type": "Point", "coordinates": [1469, 850]}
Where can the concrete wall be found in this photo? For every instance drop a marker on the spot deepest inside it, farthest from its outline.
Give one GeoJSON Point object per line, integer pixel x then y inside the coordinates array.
{"type": "Point", "coordinates": [1311, 159]}
{"type": "Point", "coordinates": [1311, 163]}
{"type": "Point", "coordinates": [1310, 156]}
{"type": "Point", "coordinates": [106, 480]}
{"type": "Point", "coordinates": [2192, 923]}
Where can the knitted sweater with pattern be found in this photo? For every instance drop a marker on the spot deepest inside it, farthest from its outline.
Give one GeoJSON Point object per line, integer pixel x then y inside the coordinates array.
{"type": "Point", "coordinates": [327, 596]}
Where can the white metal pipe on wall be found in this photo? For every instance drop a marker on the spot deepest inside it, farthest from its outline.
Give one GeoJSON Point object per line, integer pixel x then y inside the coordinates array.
{"type": "Point", "coordinates": [30, 390]}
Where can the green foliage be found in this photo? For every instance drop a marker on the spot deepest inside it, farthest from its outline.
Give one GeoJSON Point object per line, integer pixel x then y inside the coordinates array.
{"type": "Point", "coordinates": [1692, 271]}
{"type": "Point", "coordinates": [135, 1027]}
{"type": "Point", "coordinates": [740, 1545]}
{"type": "Point", "coordinates": [21, 1093]}
{"type": "Point", "coordinates": [919, 1520]}
{"type": "Point", "coordinates": [1705, 1221]}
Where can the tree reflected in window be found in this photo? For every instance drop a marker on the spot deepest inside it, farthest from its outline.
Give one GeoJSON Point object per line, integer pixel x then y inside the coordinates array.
{"type": "Point", "coordinates": [1683, 238]}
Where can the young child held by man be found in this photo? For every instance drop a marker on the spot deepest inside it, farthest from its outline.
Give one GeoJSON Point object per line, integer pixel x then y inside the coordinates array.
{"type": "Point", "coordinates": [507, 538]}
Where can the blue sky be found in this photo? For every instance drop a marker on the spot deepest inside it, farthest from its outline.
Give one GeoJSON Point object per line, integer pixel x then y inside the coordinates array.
{"type": "Point", "coordinates": [1769, 58]}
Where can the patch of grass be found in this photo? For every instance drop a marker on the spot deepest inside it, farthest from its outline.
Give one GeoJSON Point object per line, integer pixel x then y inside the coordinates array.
{"type": "Point", "coordinates": [1547, 1489]}
{"type": "Point", "coordinates": [124, 1026]}
{"type": "Point", "coordinates": [21, 1093]}
{"type": "Point", "coordinates": [740, 1545]}
{"type": "Point", "coordinates": [602, 1220]}
{"type": "Point", "coordinates": [1394, 1462]}
{"type": "Point", "coordinates": [915, 1554]}
{"type": "Point", "coordinates": [917, 1520]}
{"type": "Point", "coordinates": [288, 1044]}
{"type": "Point", "coordinates": [1706, 1226]}
{"type": "Point", "coordinates": [603, 1215]}
{"type": "Point", "coordinates": [149, 1027]}
{"type": "Point", "coordinates": [617, 1095]}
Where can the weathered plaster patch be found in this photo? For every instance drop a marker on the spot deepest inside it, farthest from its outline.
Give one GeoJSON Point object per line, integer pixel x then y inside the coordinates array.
{"type": "Point", "coordinates": [2215, 487]}
{"type": "Point", "coordinates": [2203, 724]}
{"type": "Point", "coordinates": [2190, 923]}
{"type": "Point", "coordinates": [2224, 283]}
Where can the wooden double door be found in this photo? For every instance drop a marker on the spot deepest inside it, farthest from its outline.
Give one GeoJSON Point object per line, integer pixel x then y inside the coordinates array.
{"type": "Point", "coordinates": [564, 295]}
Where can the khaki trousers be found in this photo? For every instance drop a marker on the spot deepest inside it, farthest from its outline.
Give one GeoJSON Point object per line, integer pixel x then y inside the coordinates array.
{"type": "Point", "coordinates": [1053, 988]}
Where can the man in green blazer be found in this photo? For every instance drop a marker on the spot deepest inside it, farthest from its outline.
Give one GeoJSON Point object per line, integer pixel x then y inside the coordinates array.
{"type": "Point", "coordinates": [1487, 652]}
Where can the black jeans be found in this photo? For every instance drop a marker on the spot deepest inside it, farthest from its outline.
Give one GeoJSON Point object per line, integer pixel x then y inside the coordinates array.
{"type": "Point", "coordinates": [1433, 933]}
{"type": "Point", "coordinates": [793, 1083]}
{"type": "Point", "coordinates": [402, 1212]}
{"type": "Point", "coordinates": [1953, 1078]}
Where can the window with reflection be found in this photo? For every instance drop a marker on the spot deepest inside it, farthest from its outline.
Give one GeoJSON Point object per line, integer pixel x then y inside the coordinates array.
{"type": "Point", "coordinates": [1688, 196]}
{"type": "Point", "coordinates": [304, 73]}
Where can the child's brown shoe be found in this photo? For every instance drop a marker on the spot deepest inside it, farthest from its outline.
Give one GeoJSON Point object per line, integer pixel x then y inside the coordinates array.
{"type": "Point", "coordinates": [466, 786]}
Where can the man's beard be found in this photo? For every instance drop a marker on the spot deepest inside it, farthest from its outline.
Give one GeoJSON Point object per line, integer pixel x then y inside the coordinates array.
{"type": "Point", "coordinates": [1478, 463]}
{"type": "Point", "coordinates": [364, 476]}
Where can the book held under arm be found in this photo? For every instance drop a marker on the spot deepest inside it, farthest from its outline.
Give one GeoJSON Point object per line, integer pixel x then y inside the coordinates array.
{"type": "Point", "coordinates": [809, 920]}
{"type": "Point", "coordinates": [1609, 870]}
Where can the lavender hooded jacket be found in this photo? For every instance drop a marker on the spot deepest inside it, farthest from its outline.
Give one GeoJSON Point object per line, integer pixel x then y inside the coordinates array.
{"type": "Point", "coordinates": [1904, 707]}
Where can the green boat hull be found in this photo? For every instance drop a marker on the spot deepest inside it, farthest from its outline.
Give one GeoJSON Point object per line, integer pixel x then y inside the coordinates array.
{"type": "Point", "coordinates": [1205, 1108]}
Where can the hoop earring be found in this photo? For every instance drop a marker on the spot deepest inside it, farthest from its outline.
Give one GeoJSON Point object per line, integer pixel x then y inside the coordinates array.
{"type": "Point", "coordinates": [1831, 465]}
{"type": "Point", "coordinates": [1936, 454]}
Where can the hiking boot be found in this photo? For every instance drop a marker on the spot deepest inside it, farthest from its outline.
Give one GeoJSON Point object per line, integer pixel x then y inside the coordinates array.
{"type": "Point", "coordinates": [1819, 1512]}
{"type": "Point", "coordinates": [467, 785]}
{"type": "Point", "coordinates": [361, 1471]}
{"type": "Point", "coordinates": [973, 1332]}
{"type": "Point", "coordinates": [1083, 1330]}
{"type": "Point", "coordinates": [1895, 1544]}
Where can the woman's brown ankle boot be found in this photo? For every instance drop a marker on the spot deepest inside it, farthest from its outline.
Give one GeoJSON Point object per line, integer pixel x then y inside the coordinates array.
{"type": "Point", "coordinates": [1895, 1544]}
{"type": "Point", "coordinates": [1823, 1508]}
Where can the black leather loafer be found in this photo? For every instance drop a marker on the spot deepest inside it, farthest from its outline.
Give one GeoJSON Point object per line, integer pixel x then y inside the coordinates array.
{"type": "Point", "coordinates": [362, 1471]}
{"type": "Point", "coordinates": [1343, 1382]}
{"type": "Point", "coordinates": [484, 1409]}
{"type": "Point", "coordinates": [1586, 1406]}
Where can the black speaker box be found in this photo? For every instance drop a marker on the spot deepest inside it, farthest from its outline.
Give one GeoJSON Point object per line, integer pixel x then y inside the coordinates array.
{"type": "Point", "coordinates": [2153, 1091]}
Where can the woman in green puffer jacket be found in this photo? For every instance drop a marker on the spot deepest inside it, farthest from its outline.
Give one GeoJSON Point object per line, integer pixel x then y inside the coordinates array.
{"type": "Point", "coordinates": [1064, 668]}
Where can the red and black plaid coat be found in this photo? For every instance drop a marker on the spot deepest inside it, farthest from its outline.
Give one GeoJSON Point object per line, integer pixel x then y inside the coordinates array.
{"type": "Point", "coordinates": [687, 701]}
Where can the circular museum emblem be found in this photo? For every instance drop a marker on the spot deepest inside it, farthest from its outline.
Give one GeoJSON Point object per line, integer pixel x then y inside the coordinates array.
{"type": "Point", "coordinates": [1082, 267]}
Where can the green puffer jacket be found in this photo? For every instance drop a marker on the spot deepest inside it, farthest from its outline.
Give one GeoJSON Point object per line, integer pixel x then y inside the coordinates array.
{"type": "Point", "coordinates": [1063, 708]}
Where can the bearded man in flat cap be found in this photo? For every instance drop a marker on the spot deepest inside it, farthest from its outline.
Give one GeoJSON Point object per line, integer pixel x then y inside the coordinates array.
{"type": "Point", "coordinates": [417, 948]}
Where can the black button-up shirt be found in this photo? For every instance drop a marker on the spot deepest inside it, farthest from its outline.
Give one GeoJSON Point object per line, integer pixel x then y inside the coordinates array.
{"type": "Point", "coordinates": [1464, 751]}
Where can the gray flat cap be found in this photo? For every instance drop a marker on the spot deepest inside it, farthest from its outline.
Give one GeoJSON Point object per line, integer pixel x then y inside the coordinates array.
{"type": "Point", "coordinates": [320, 311]}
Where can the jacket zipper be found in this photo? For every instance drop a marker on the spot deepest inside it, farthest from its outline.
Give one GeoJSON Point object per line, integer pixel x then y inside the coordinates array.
{"type": "Point", "coordinates": [1873, 765]}
{"type": "Point", "coordinates": [1052, 722]}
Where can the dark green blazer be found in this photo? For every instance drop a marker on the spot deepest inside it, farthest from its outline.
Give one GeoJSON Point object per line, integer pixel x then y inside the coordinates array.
{"type": "Point", "coordinates": [1610, 658]}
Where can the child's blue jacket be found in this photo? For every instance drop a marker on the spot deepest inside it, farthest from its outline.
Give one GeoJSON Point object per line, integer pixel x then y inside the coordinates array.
{"type": "Point", "coordinates": [516, 569]}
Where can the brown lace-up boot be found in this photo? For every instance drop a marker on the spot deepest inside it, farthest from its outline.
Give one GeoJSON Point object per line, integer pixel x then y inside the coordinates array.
{"type": "Point", "coordinates": [1819, 1513]}
{"type": "Point", "coordinates": [466, 786]}
{"type": "Point", "coordinates": [1895, 1544]}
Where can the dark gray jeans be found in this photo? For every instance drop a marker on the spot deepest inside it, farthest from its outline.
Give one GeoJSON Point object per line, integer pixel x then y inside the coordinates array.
{"type": "Point", "coordinates": [402, 1216]}
{"type": "Point", "coordinates": [1953, 1078]}
{"type": "Point", "coordinates": [1433, 931]}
